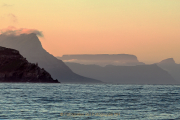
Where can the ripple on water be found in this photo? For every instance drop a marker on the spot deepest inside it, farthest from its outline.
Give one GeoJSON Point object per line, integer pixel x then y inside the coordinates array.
{"type": "Point", "coordinates": [74, 101]}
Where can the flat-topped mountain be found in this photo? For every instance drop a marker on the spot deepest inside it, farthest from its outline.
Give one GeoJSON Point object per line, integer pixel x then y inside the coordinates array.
{"type": "Point", "coordinates": [15, 68]}
{"type": "Point", "coordinates": [103, 59]}
{"type": "Point", "coordinates": [140, 74]}
{"type": "Point", "coordinates": [30, 47]}
{"type": "Point", "coordinates": [114, 57]}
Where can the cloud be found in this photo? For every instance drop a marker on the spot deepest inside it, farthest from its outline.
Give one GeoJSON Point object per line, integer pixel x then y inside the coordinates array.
{"type": "Point", "coordinates": [6, 5]}
{"type": "Point", "coordinates": [13, 17]}
{"type": "Point", "coordinates": [9, 17]}
{"type": "Point", "coordinates": [11, 30]}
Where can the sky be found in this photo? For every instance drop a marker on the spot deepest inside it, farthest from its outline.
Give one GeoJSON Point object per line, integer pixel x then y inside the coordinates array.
{"type": "Point", "coordinates": [149, 29]}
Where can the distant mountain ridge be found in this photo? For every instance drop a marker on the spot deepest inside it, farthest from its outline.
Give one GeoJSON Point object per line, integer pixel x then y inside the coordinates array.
{"type": "Point", "coordinates": [140, 74]}
{"type": "Point", "coordinates": [115, 57]}
{"type": "Point", "coordinates": [167, 61]}
{"type": "Point", "coordinates": [171, 66]}
{"type": "Point", "coordinates": [102, 59]}
{"type": "Point", "coordinates": [31, 48]}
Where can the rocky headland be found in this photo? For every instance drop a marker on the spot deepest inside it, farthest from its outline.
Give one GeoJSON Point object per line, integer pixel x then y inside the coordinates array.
{"type": "Point", "coordinates": [15, 68]}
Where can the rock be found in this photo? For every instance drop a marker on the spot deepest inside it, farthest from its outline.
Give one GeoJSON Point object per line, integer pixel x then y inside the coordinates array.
{"type": "Point", "coordinates": [15, 68]}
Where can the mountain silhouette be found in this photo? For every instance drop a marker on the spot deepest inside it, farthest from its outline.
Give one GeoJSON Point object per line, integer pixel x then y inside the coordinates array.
{"type": "Point", "coordinates": [170, 66]}
{"type": "Point", "coordinates": [30, 47]}
{"type": "Point", "coordinates": [103, 59]}
{"type": "Point", "coordinates": [140, 74]}
{"type": "Point", "coordinates": [169, 61]}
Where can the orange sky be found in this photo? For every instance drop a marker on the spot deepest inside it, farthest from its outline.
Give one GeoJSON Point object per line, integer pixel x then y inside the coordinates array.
{"type": "Point", "coordinates": [149, 29]}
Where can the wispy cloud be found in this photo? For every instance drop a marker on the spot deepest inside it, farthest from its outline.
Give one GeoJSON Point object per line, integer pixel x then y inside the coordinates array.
{"type": "Point", "coordinates": [9, 17]}
{"type": "Point", "coordinates": [11, 30]}
{"type": "Point", "coordinates": [13, 18]}
{"type": "Point", "coordinates": [7, 5]}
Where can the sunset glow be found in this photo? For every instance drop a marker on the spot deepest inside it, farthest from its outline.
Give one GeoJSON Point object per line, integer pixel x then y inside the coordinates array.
{"type": "Point", "coordinates": [149, 29]}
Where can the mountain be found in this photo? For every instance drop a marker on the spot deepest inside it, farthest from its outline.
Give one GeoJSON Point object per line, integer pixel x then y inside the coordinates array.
{"type": "Point", "coordinates": [30, 47]}
{"type": "Point", "coordinates": [171, 66]}
{"type": "Point", "coordinates": [103, 59]}
{"type": "Point", "coordinates": [15, 68]}
{"type": "Point", "coordinates": [169, 61]}
{"type": "Point", "coordinates": [140, 74]}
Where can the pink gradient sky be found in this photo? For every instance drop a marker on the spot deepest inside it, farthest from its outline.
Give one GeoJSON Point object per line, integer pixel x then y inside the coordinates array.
{"type": "Point", "coordinates": [149, 29]}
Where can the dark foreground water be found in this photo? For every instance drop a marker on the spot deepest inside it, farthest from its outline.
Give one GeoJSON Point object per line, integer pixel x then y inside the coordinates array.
{"type": "Point", "coordinates": [87, 101]}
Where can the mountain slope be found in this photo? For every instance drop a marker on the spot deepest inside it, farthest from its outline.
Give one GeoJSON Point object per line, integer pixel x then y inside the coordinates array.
{"type": "Point", "coordinates": [140, 74]}
{"type": "Point", "coordinates": [170, 66]}
{"type": "Point", "coordinates": [31, 48]}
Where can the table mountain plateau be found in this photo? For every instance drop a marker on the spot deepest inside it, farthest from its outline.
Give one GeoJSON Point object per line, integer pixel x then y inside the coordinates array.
{"type": "Point", "coordinates": [102, 59]}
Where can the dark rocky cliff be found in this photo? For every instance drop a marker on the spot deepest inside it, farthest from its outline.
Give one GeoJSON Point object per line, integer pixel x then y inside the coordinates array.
{"type": "Point", "coordinates": [15, 68]}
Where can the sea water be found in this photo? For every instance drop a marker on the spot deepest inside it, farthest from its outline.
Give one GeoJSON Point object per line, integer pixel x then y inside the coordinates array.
{"type": "Point", "coordinates": [89, 101]}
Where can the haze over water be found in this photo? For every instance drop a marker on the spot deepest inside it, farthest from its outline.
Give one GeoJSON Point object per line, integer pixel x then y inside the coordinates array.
{"type": "Point", "coordinates": [90, 101]}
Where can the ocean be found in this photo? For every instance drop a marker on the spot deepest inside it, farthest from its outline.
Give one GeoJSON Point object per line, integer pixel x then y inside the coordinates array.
{"type": "Point", "coordinates": [89, 101]}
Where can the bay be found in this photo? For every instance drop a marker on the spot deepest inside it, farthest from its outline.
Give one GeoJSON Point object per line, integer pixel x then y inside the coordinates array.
{"type": "Point", "coordinates": [89, 101]}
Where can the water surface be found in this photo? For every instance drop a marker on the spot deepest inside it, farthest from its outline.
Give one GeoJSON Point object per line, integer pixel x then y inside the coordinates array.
{"type": "Point", "coordinates": [88, 101]}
